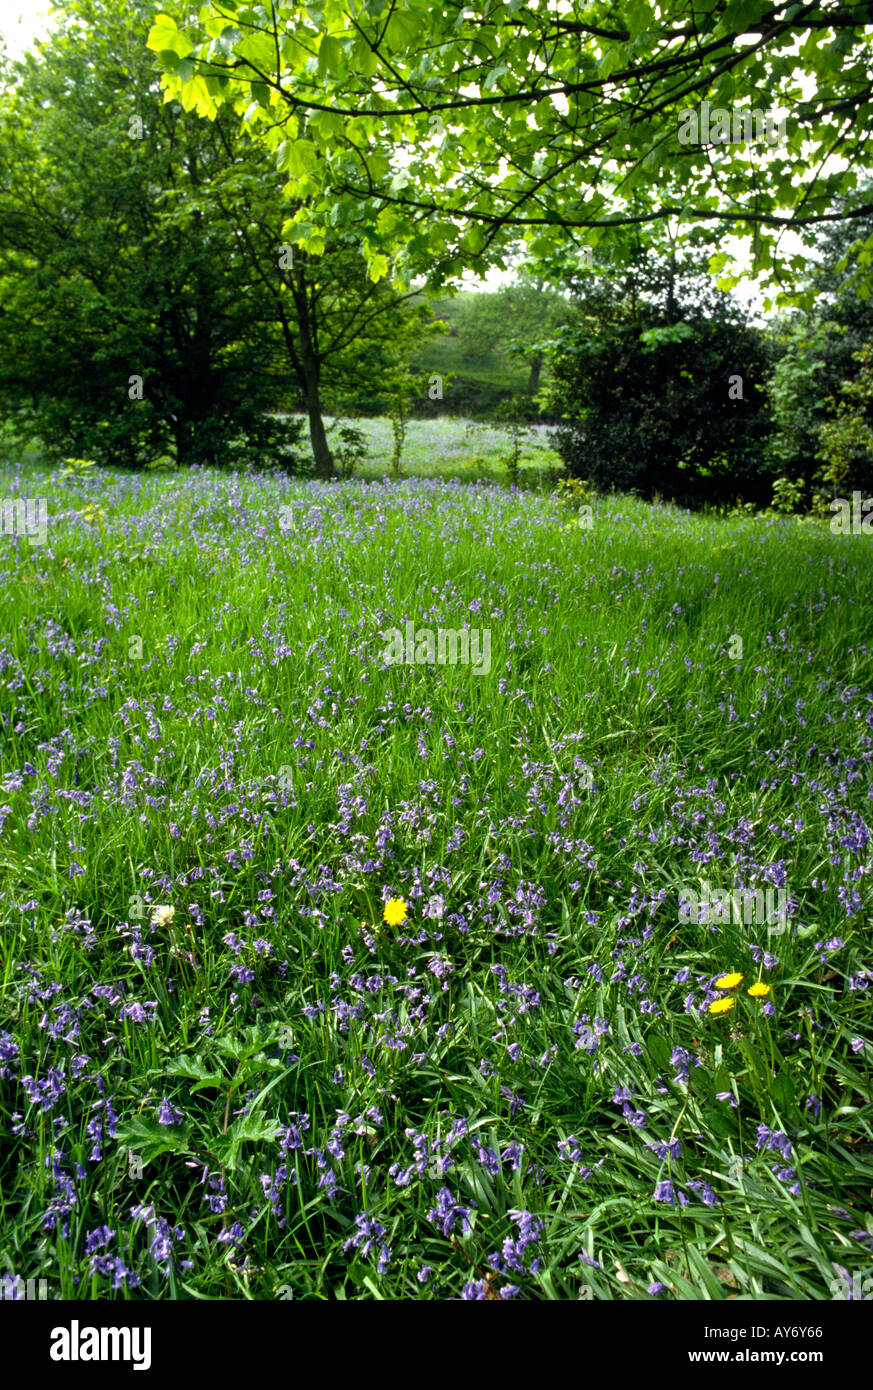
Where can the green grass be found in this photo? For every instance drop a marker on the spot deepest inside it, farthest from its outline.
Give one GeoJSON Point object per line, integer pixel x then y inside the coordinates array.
{"type": "Point", "coordinates": [446, 354]}
{"type": "Point", "coordinates": [449, 353]}
{"type": "Point", "coordinates": [196, 712]}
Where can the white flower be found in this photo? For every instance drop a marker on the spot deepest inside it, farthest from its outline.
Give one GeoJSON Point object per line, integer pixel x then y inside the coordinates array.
{"type": "Point", "coordinates": [162, 916]}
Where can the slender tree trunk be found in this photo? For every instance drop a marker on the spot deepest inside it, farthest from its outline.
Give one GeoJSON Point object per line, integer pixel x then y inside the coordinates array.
{"type": "Point", "coordinates": [320, 451]}
{"type": "Point", "coordinates": [533, 381]}
{"type": "Point", "coordinates": [671, 287]}
{"type": "Point", "coordinates": [309, 365]}
{"type": "Point", "coordinates": [184, 449]}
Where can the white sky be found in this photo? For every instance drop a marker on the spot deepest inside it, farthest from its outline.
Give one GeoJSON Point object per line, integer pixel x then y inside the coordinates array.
{"type": "Point", "coordinates": [22, 21]}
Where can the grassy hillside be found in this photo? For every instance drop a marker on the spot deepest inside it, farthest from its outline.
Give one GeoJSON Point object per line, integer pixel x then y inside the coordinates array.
{"type": "Point", "coordinates": [481, 382]}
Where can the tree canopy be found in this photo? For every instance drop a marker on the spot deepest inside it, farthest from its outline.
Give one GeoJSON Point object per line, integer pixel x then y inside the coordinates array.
{"type": "Point", "coordinates": [463, 128]}
{"type": "Point", "coordinates": [148, 302]}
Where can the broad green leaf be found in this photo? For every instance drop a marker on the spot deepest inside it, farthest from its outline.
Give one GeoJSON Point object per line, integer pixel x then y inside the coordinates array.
{"type": "Point", "coordinates": [149, 1139]}
{"type": "Point", "coordinates": [473, 239]}
{"type": "Point", "coordinates": [301, 156]}
{"type": "Point", "coordinates": [252, 1128]}
{"type": "Point", "coordinates": [330, 54]}
{"type": "Point", "coordinates": [659, 1050]}
{"type": "Point", "coordinates": [195, 1070]}
{"type": "Point", "coordinates": [378, 267]}
{"type": "Point", "coordinates": [164, 37]}
{"type": "Point", "coordinates": [612, 59]}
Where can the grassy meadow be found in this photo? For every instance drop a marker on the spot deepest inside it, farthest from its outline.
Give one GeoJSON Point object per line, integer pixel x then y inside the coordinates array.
{"type": "Point", "coordinates": [452, 449]}
{"type": "Point", "coordinates": [327, 977]}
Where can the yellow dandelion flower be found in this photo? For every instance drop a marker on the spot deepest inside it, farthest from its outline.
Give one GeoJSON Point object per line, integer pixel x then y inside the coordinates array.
{"type": "Point", "coordinates": [759, 990]}
{"type": "Point", "coordinates": [721, 1006]}
{"type": "Point", "coordinates": [395, 912]}
{"type": "Point", "coordinates": [729, 981]}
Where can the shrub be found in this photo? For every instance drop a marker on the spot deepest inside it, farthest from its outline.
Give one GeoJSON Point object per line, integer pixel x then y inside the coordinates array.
{"type": "Point", "coordinates": [651, 410]}
{"type": "Point", "coordinates": [846, 440]}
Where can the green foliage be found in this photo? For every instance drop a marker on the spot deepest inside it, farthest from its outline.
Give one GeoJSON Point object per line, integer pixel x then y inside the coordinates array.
{"type": "Point", "coordinates": [78, 468]}
{"type": "Point", "coordinates": [131, 323]}
{"type": "Point", "coordinates": [647, 383]}
{"type": "Point", "coordinates": [479, 323]}
{"type": "Point", "coordinates": [431, 210]}
{"type": "Point", "coordinates": [797, 393]}
{"type": "Point", "coordinates": [266, 441]}
{"type": "Point", "coordinates": [511, 413]}
{"type": "Point", "coordinates": [787, 496]}
{"type": "Point", "coordinates": [469, 352]}
{"type": "Point", "coordinates": [147, 310]}
{"type": "Point", "coordinates": [376, 332]}
{"type": "Point", "coordinates": [816, 420]}
{"type": "Point", "coordinates": [573, 493]}
{"type": "Point", "coordinates": [403, 387]}
{"type": "Point", "coordinates": [846, 440]}
{"type": "Point", "coordinates": [351, 449]}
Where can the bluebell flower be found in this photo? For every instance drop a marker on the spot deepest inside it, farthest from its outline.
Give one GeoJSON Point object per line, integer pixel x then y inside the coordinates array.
{"type": "Point", "coordinates": [448, 1213]}
{"type": "Point", "coordinates": [665, 1192]}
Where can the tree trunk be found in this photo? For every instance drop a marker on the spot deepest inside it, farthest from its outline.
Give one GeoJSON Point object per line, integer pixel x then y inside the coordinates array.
{"type": "Point", "coordinates": [533, 381]}
{"type": "Point", "coordinates": [318, 438]}
{"type": "Point", "coordinates": [671, 287]}
{"type": "Point", "coordinates": [184, 442]}
{"type": "Point", "coordinates": [309, 369]}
